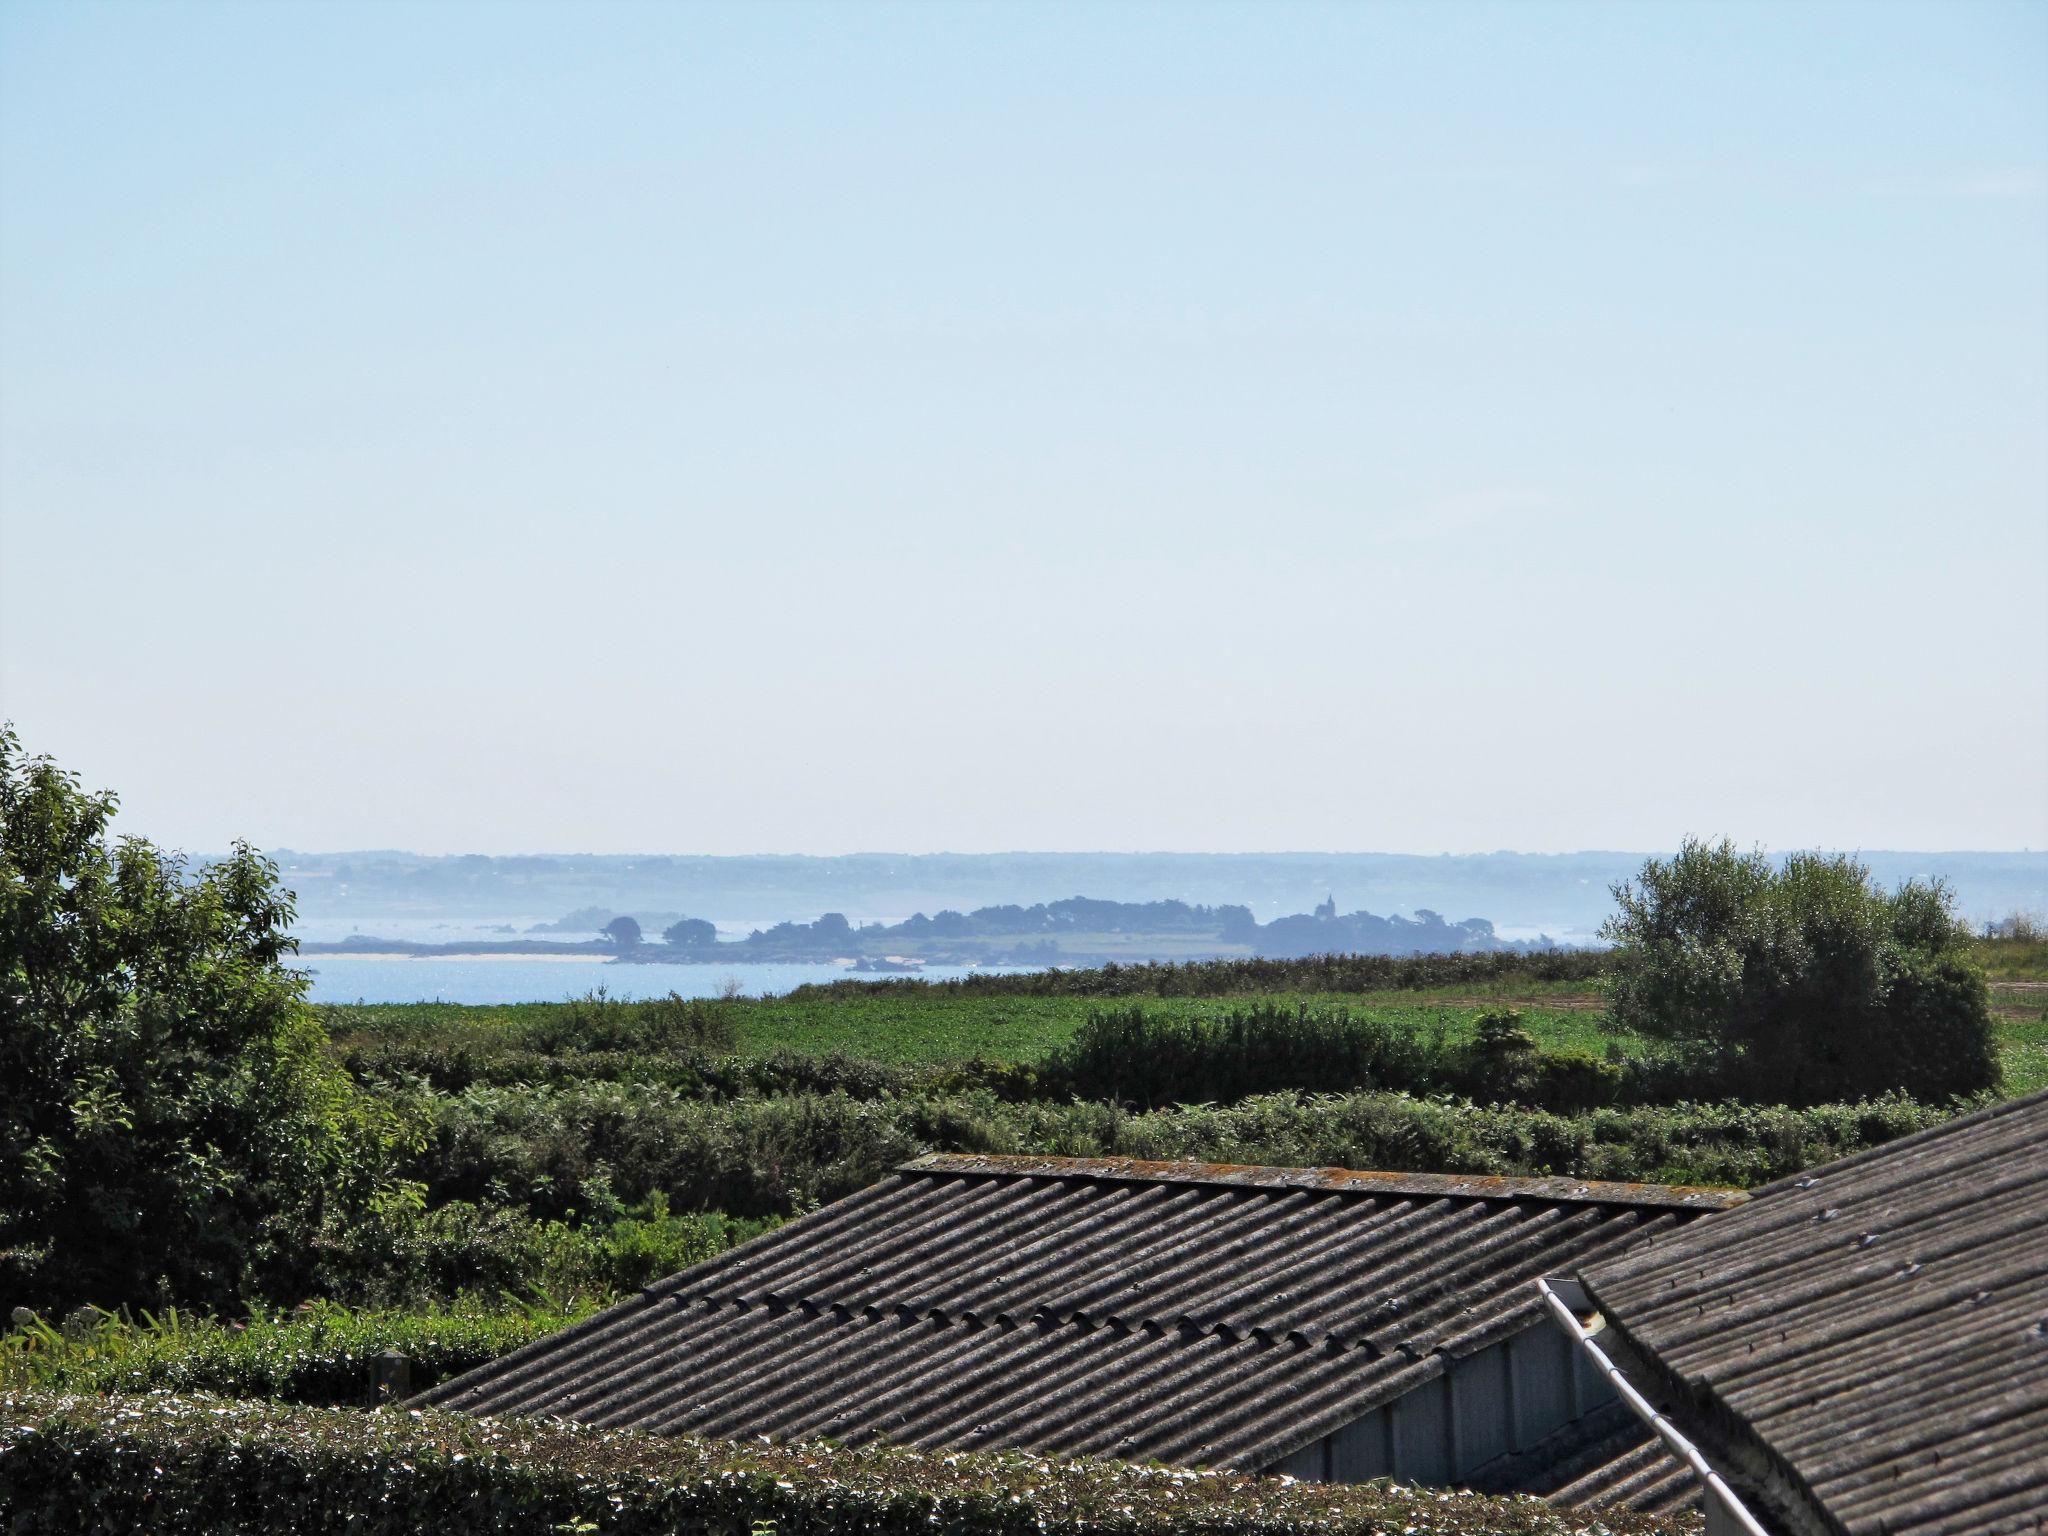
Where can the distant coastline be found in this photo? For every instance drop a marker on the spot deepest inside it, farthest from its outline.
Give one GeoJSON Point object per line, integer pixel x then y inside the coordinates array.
{"type": "Point", "coordinates": [391, 949]}
{"type": "Point", "coordinates": [1076, 931]}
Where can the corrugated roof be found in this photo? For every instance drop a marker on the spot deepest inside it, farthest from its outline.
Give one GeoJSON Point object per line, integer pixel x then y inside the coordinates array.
{"type": "Point", "coordinates": [1629, 1469]}
{"type": "Point", "coordinates": [1186, 1313]}
{"type": "Point", "coordinates": [1865, 1348]}
{"type": "Point", "coordinates": [1704, 1197]}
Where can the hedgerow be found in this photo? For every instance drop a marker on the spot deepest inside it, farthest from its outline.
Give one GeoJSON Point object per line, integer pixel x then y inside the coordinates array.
{"type": "Point", "coordinates": [778, 1155]}
{"type": "Point", "coordinates": [1140, 1056]}
{"type": "Point", "coordinates": [315, 1354]}
{"type": "Point", "coordinates": [174, 1465]}
{"type": "Point", "coordinates": [1221, 978]}
{"type": "Point", "coordinates": [400, 1255]}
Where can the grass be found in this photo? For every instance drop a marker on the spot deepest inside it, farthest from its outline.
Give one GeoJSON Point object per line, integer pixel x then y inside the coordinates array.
{"type": "Point", "coordinates": [2023, 1053]}
{"type": "Point", "coordinates": [2020, 956]}
{"type": "Point", "coordinates": [913, 1027]}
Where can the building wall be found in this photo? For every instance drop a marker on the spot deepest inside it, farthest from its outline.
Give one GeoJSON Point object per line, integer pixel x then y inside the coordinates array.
{"type": "Point", "coordinates": [1449, 1430]}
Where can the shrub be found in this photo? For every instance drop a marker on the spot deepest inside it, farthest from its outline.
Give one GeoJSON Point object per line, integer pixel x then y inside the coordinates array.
{"type": "Point", "coordinates": [599, 1022]}
{"type": "Point", "coordinates": [197, 1465]}
{"type": "Point", "coordinates": [1130, 1056]}
{"type": "Point", "coordinates": [1224, 978]}
{"type": "Point", "coordinates": [171, 1129]}
{"type": "Point", "coordinates": [1133, 1057]}
{"type": "Point", "coordinates": [408, 1256]}
{"type": "Point", "coordinates": [1814, 983]}
{"type": "Point", "coordinates": [778, 1156]}
{"type": "Point", "coordinates": [316, 1354]}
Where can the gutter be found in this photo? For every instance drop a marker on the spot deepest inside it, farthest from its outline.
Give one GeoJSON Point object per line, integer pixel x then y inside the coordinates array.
{"type": "Point", "coordinates": [1555, 1292]}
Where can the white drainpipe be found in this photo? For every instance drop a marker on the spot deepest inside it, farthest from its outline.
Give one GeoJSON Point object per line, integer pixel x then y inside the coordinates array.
{"type": "Point", "coordinates": [1718, 1490]}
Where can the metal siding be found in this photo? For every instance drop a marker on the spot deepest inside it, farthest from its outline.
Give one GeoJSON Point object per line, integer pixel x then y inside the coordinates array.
{"type": "Point", "coordinates": [1479, 1394]}
{"type": "Point", "coordinates": [1422, 1436]}
{"type": "Point", "coordinates": [1589, 1388]}
{"type": "Point", "coordinates": [1541, 1360]}
{"type": "Point", "coordinates": [1363, 1450]}
{"type": "Point", "coordinates": [1311, 1463]}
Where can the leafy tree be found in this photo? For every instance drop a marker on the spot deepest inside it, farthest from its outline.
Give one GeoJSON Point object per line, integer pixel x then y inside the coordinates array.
{"type": "Point", "coordinates": [689, 933]}
{"type": "Point", "coordinates": [623, 931]}
{"type": "Point", "coordinates": [171, 1128]}
{"type": "Point", "coordinates": [1810, 981]}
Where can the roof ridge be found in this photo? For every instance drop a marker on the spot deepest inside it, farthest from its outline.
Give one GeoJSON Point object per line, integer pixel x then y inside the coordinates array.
{"type": "Point", "coordinates": [1440, 1186]}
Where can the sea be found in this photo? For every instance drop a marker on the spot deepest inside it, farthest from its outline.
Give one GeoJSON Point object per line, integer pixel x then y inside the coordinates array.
{"type": "Point", "coordinates": [542, 978]}
{"type": "Point", "coordinates": [352, 979]}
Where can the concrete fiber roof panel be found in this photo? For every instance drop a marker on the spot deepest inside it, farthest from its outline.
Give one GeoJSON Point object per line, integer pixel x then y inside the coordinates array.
{"type": "Point", "coordinates": [1865, 1347]}
{"type": "Point", "coordinates": [1473, 1186]}
{"type": "Point", "coordinates": [1145, 1311]}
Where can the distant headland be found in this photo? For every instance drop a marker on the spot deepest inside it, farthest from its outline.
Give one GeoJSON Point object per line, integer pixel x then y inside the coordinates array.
{"type": "Point", "coordinates": [1074, 931]}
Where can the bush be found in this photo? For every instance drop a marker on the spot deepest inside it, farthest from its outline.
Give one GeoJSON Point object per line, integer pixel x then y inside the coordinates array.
{"type": "Point", "coordinates": [1223, 978]}
{"type": "Point", "coordinates": [599, 1022]}
{"type": "Point", "coordinates": [1130, 1056]}
{"type": "Point", "coordinates": [450, 1067]}
{"type": "Point", "coordinates": [171, 1129]}
{"type": "Point", "coordinates": [1813, 983]}
{"type": "Point", "coordinates": [779, 1156]}
{"type": "Point", "coordinates": [407, 1257]}
{"type": "Point", "coordinates": [317, 1354]}
{"type": "Point", "coordinates": [197, 1465]}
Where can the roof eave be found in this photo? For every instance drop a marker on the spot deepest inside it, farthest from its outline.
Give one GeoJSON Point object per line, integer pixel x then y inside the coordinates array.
{"type": "Point", "coordinates": [1759, 1494]}
{"type": "Point", "coordinates": [1435, 1186]}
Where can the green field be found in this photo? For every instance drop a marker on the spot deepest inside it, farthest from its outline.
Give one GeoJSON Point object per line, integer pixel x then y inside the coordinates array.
{"type": "Point", "coordinates": [2023, 1052]}
{"type": "Point", "coordinates": [911, 1025]}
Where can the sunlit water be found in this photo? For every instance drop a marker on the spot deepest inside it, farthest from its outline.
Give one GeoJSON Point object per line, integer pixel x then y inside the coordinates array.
{"type": "Point", "coordinates": [347, 979]}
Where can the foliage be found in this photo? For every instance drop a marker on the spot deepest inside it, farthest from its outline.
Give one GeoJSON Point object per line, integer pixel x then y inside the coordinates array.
{"type": "Point", "coordinates": [193, 1464]}
{"type": "Point", "coordinates": [1130, 1056]}
{"type": "Point", "coordinates": [776, 1156]}
{"type": "Point", "coordinates": [1161, 1051]}
{"type": "Point", "coordinates": [171, 1129]}
{"type": "Point", "coordinates": [623, 931]}
{"type": "Point", "coordinates": [1498, 1034]}
{"type": "Point", "coordinates": [598, 1250]}
{"type": "Point", "coordinates": [451, 1065]}
{"type": "Point", "coordinates": [319, 1353]}
{"type": "Point", "coordinates": [1223, 978]}
{"type": "Point", "coordinates": [1817, 984]}
{"type": "Point", "coordinates": [1134, 1056]}
{"type": "Point", "coordinates": [598, 1021]}
{"type": "Point", "coordinates": [2016, 949]}
{"type": "Point", "coordinates": [667, 1039]}
{"type": "Point", "coordinates": [908, 1023]}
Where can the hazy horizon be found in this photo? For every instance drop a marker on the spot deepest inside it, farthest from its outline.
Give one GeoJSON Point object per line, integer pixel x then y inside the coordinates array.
{"type": "Point", "coordinates": [1563, 894]}
{"type": "Point", "coordinates": [829, 427]}
{"type": "Point", "coordinates": [1080, 853]}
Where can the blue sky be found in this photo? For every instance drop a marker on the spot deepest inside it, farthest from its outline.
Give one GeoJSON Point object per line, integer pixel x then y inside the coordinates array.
{"type": "Point", "coordinates": [1445, 427]}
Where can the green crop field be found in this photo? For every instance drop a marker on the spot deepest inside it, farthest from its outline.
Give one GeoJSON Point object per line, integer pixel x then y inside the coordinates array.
{"type": "Point", "coordinates": [912, 1025]}
{"type": "Point", "coordinates": [915, 1026]}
